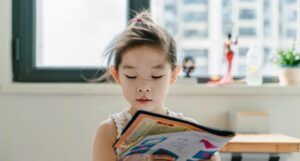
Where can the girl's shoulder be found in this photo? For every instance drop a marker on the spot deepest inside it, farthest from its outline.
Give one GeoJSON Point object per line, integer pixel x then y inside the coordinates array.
{"type": "Point", "coordinates": [107, 124]}
{"type": "Point", "coordinates": [107, 129]}
{"type": "Point", "coordinates": [111, 123]}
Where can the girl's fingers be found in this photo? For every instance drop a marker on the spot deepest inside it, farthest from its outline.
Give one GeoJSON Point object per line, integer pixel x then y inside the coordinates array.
{"type": "Point", "coordinates": [213, 158]}
{"type": "Point", "coordinates": [137, 157]}
{"type": "Point", "coordinates": [162, 157]}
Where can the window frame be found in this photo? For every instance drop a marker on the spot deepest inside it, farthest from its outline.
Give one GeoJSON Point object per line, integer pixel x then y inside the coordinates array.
{"type": "Point", "coordinates": [24, 47]}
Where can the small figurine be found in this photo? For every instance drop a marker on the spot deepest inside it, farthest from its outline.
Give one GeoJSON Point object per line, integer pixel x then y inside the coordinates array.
{"type": "Point", "coordinates": [188, 66]}
{"type": "Point", "coordinates": [229, 54]}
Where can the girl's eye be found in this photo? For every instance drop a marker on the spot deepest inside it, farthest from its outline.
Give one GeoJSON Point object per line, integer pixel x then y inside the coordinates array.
{"type": "Point", "coordinates": [157, 77]}
{"type": "Point", "coordinates": [130, 77]}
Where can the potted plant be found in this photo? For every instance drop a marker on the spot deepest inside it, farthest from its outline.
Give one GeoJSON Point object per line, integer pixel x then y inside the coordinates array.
{"type": "Point", "coordinates": [289, 67]}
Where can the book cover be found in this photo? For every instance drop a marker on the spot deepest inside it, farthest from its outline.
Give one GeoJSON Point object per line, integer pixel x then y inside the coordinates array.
{"type": "Point", "coordinates": [152, 133]}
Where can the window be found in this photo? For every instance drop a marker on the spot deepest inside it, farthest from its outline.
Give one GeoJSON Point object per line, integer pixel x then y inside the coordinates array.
{"type": "Point", "coordinates": [205, 26]}
{"type": "Point", "coordinates": [267, 52]}
{"type": "Point", "coordinates": [40, 54]}
{"type": "Point", "coordinates": [170, 17]}
{"type": "Point", "coordinates": [195, 34]}
{"type": "Point", "coordinates": [291, 1]}
{"type": "Point", "coordinates": [75, 37]}
{"type": "Point", "coordinates": [267, 18]}
{"type": "Point", "coordinates": [291, 16]}
{"type": "Point", "coordinates": [291, 33]}
{"type": "Point", "coordinates": [195, 2]}
{"type": "Point", "coordinates": [195, 17]}
{"type": "Point", "coordinates": [55, 44]}
{"type": "Point", "coordinates": [226, 17]}
{"type": "Point", "coordinates": [243, 51]}
{"type": "Point", "coordinates": [247, 31]}
{"type": "Point", "coordinates": [247, 0]}
{"type": "Point", "coordinates": [247, 14]}
{"type": "Point", "coordinates": [196, 52]}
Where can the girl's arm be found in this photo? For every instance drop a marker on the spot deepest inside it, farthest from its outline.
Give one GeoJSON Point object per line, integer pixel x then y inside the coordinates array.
{"type": "Point", "coordinates": [103, 141]}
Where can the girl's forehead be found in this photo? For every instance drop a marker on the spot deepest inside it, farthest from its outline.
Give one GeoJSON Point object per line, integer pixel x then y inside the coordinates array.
{"type": "Point", "coordinates": [158, 66]}
{"type": "Point", "coordinates": [144, 56]}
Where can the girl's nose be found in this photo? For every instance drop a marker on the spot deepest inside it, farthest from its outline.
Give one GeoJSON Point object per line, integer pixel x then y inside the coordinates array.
{"type": "Point", "coordinates": [143, 90]}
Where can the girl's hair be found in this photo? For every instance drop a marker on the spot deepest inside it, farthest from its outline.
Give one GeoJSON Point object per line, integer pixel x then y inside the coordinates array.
{"type": "Point", "coordinates": [141, 30]}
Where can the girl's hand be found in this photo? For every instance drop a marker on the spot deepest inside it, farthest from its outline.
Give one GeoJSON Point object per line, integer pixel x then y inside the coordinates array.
{"type": "Point", "coordinates": [215, 157]}
{"type": "Point", "coordinates": [146, 157]}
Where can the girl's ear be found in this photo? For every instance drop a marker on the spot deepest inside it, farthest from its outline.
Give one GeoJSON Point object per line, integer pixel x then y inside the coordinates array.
{"type": "Point", "coordinates": [114, 72]}
{"type": "Point", "coordinates": [175, 74]}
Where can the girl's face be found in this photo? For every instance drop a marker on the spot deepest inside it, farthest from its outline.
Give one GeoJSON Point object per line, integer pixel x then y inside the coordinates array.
{"type": "Point", "coordinates": [145, 76]}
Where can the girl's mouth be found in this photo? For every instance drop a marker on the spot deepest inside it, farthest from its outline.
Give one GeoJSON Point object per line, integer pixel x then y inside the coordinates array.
{"type": "Point", "coordinates": [143, 101]}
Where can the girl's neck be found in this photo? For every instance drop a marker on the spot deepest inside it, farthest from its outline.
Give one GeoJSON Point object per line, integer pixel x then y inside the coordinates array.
{"type": "Point", "coordinates": [160, 110]}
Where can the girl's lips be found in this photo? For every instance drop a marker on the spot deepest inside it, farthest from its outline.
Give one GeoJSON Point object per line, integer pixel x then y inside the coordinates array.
{"type": "Point", "coordinates": [143, 101]}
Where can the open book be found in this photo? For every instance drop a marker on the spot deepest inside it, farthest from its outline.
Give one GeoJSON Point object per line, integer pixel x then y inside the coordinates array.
{"type": "Point", "coordinates": [151, 133]}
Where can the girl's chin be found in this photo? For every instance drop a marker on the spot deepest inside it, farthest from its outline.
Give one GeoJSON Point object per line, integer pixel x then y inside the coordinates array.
{"type": "Point", "coordinates": [147, 107]}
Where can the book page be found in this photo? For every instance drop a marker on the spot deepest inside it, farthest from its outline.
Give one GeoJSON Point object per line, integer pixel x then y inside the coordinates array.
{"type": "Point", "coordinates": [182, 146]}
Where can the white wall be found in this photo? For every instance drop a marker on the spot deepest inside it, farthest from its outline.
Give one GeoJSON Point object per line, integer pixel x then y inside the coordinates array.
{"type": "Point", "coordinates": [53, 127]}
{"type": "Point", "coordinates": [59, 126]}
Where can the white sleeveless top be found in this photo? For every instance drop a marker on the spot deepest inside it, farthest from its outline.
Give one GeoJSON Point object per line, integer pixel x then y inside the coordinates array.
{"type": "Point", "coordinates": [122, 118]}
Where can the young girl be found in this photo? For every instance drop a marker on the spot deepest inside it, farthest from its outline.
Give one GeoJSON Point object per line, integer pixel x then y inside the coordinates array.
{"type": "Point", "coordinates": [145, 65]}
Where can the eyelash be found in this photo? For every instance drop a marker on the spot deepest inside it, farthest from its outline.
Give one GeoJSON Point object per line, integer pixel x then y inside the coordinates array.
{"type": "Point", "coordinates": [130, 77]}
{"type": "Point", "coordinates": [157, 77]}
{"type": "Point", "coordinates": [154, 77]}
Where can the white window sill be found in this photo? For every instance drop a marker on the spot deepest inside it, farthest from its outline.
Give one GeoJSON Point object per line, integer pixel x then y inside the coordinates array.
{"type": "Point", "coordinates": [112, 89]}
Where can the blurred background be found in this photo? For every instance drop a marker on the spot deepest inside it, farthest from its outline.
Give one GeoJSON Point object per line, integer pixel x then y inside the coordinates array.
{"type": "Point", "coordinates": [49, 112]}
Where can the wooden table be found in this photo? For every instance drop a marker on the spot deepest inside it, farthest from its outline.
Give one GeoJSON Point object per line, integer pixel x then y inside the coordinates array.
{"type": "Point", "coordinates": [273, 144]}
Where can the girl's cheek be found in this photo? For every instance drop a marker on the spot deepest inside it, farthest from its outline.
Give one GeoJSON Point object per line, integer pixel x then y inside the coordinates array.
{"type": "Point", "coordinates": [128, 82]}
